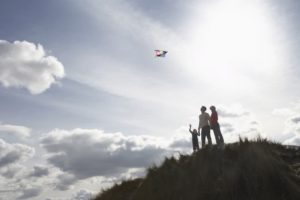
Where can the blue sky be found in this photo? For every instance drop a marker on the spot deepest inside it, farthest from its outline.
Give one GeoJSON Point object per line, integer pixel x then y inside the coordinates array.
{"type": "Point", "coordinates": [86, 42]}
{"type": "Point", "coordinates": [85, 72]}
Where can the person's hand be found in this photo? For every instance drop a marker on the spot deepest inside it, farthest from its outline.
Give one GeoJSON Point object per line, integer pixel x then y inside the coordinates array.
{"type": "Point", "coordinates": [190, 125]}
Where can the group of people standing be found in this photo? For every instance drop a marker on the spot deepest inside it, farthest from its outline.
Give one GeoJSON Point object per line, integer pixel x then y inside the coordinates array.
{"type": "Point", "coordinates": [206, 123]}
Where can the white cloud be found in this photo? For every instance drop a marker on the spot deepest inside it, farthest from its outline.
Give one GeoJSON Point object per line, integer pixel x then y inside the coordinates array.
{"type": "Point", "coordinates": [292, 130]}
{"type": "Point", "coordinates": [283, 112]}
{"type": "Point", "coordinates": [13, 158]}
{"type": "Point", "coordinates": [11, 171]}
{"type": "Point", "coordinates": [290, 118]}
{"type": "Point", "coordinates": [26, 65]}
{"type": "Point", "coordinates": [293, 141]}
{"type": "Point", "coordinates": [14, 153]}
{"type": "Point", "coordinates": [227, 127]}
{"type": "Point", "coordinates": [12, 167]}
{"type": "Point", "coordinates": [181, 141]}
{"type": "Point", "coordinates": [236, 121]}
{"type": "Point", "coordinates": [39, 171]}
{"type": "Point", "coordinates": [82, 194]}
{"type": "Point", "coordinates": [30, 193]}
{"type": "Point", "coordinates": [65, 181]}
{"type": "Point", "coordinates": [84, 153]}
{"type": "Point", "coordinates": [232, 111]}
{"type": "Point", "coordinates": [295, 119]}
{"type": "Point", "coordinates": [19, 131]}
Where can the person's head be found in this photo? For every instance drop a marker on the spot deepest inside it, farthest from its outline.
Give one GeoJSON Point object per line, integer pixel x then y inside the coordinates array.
{"type": "Point", "coordinates": [212, 108]}
{"type": "Point", "coordinates": [195, 131]}
{"type": "Point", "coordinates": [203, 109]}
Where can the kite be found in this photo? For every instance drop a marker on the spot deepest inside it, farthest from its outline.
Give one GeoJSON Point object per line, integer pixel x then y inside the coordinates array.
{"type": "Point", "coordinates": [160, 53]}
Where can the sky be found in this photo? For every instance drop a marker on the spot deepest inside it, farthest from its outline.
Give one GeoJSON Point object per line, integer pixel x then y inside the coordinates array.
{"type": "Point", "coordinates": [85, 103]}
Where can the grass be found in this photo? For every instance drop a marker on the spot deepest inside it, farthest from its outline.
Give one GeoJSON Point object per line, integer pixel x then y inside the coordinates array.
{"type": "Point", "coordinates": [247, 170]}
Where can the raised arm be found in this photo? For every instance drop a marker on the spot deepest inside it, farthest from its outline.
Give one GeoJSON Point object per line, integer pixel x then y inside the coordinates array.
{"type": "Point", "coordinates": [190, 129]}
{"type": "Point", "coordinates": [199, 125]}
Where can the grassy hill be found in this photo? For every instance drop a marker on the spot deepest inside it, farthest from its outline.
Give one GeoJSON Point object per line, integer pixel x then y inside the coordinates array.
{"type": "Point", "coordinates": [247, 170]}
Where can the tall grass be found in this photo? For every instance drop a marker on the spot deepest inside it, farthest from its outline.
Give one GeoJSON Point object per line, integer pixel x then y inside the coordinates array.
{"type": "Point", "coordinates": [247, 170]}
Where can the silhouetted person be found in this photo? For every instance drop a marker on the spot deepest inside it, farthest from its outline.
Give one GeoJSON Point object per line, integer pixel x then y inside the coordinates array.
{"type": "Point", "coordinates": [215, 126]}
{"type": "Point", "coordinates": [195, 135]}
{"type": "Point", "coordinates": [204, 126]}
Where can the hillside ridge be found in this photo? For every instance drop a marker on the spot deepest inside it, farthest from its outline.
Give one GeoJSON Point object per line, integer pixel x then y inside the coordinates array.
{"type": "Point", "coordinates": [257, 169]}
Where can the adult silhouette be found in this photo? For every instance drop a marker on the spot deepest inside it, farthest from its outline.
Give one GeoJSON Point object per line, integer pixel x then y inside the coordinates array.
{"type": "Point", "coordinates": [214, 124]}
{"type": "Point", "coordinates": [204, 126]}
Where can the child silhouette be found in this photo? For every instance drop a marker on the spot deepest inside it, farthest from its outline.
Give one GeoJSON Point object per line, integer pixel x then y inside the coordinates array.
{"type": "Point", "coordinates": [195, 135]}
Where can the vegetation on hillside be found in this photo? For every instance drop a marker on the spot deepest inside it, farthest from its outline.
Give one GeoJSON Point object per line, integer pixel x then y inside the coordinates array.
{"type": "Point", "coordinates": [246, 170]}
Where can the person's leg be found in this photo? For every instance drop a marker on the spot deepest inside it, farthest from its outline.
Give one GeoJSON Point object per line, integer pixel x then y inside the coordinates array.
{"type": "Point", "coordinates": [216, 135]}
{"type": "Point", "coordinates": [197, 145]}
{"type": "Point", "coordinates": [193, 146]}
{"type": "Point", "coordinates": [203, 137]}
{"type": "Point", "coordinates": [208, 135]}
{"type": "Point", "coordinates": [220, 136]}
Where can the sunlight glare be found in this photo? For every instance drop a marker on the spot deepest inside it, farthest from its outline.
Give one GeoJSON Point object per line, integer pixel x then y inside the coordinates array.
{"type": "Point", "coordinates": [234, 38]}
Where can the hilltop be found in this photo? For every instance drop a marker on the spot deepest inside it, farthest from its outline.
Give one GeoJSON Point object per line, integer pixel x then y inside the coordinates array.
{"type": "Point", "coordinates": [246, 170]}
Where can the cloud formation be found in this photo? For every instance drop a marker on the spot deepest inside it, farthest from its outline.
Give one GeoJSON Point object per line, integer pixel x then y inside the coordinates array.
{"type": "Point", "coordinates": [227, 127]}
{"type": "Point", "coordinates": [14, 153]}
{"type": "Point", "coordinates": [83, 195]}
{"type": "Point", "coordinates": [282, 112]}
{"type": "Point", "coordinates": [292, 130]}
{"type": "Point", "coordinates": [39, 171]}
{"type": "Point", "coordinates": [84, 153]}
{"type": "Point", "coordinates": [234, 111]}
{"type": "Point", "coordinates": [19, 131]}
{"type": "Point", "coordinates": [26, 65]}
{"type": "Point", "coordinates": [30, 193]}
{"type": "Point", "coordinates": [295, 119]}
{"type": "Point", "coordinates": [11, 171]}
{"type": "Point", "coordinates": [65, 181]}
{"type": "Point", "coordinates": [290, 115]}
